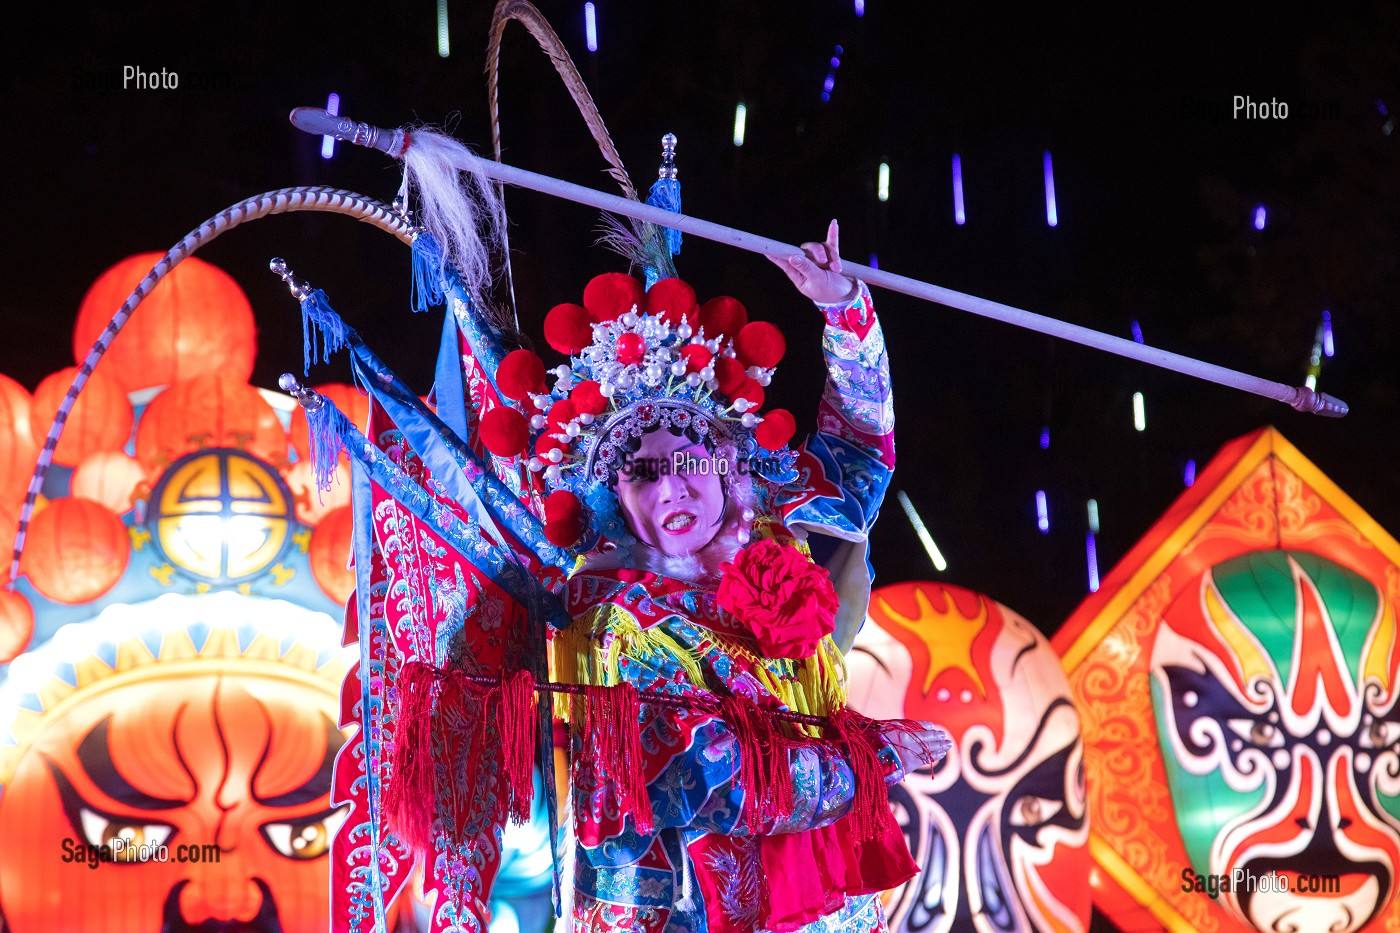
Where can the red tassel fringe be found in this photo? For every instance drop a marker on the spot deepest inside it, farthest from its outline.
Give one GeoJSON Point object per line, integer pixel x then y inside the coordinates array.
{"type": "Point", "coordinates": [409, 798]}
{"type": "Point", "coordinates": [764, 771]}
{"type": "Point", "coordinates": [870, 815]}
{"type": "Point", "coordinates": [612, 748]}
{"type": "Point", "coordinates": [441, 720]}
{"type": "Point", "coordinates": [519, 730]}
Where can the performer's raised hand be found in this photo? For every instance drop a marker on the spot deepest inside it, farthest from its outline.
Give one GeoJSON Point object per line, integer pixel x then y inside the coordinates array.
{"type": "Point", "coordinates": [816, 271]}
{"type": "Point", "coordinates": [918, 749]}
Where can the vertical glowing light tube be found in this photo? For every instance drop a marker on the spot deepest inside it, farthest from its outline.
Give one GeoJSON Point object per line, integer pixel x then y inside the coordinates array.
{"type": "Point", "coordinates": [959, 212]}
{"type": "Point", "coordinates": [1188, 475]}
{"type": "Point", "coordinates": [1139, 412]}
{"type": "Point", "coordinates": [860, 7]}
{"type": "Point", "coordinates": [1042, 511]}
{"type": "Point", "coordinates": [934, 554]}
{"type": "Point", "coordinates": [1045, 438]}
{"type": "Point", "coordinates": [874, 262]}
{"type": "Point", "coordinates": [590, 26]}
{"type": "Point", "coordinates": [328, 142]}
{"type": "Point", "coordinates": [1052, 214]}
{"type": "Point", "coordinates": [1091, 556]}
{"type": "Point", "coordinates": [1137, 332]}
{"type": "Point", "coordinates": [883, 182]}
{"type": "Point", "coordinates": [741, 119]}
{"type": "Point", "coordinates": [1093, 510]}
{"type": "Point", "coordinates": [1328, 347]}
{"type": "Point", "coordinates": [444, 49]}
{"type": "Point", "coordinates": [1260, 216]}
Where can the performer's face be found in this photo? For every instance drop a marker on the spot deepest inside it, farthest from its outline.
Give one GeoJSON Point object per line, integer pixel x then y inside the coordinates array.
{"type": "Point", "coordinates": [672, 494]}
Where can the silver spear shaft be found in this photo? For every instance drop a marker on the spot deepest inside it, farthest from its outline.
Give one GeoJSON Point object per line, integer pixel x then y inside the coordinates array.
{"type": "Point", "coordinates": [395, 143]}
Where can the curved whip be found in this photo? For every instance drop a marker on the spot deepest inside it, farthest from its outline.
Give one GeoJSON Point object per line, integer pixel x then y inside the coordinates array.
{"type": "Point", "coordinates": [281, 201]}
{"type": "Point", "coordinates": [525, 13]}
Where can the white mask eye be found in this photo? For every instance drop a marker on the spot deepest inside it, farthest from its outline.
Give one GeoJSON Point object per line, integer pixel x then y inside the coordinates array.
{"type": "Point", "coordinates": [1031, 810]}
{"type": "Point", "coordinates": [130, 841]}
{"type": "Point", "coordinates": [307, 838]}
{"type": "Point", "coordinates": [1380, 734]}
{"type": "Point", "coordinates": [1257, 732]}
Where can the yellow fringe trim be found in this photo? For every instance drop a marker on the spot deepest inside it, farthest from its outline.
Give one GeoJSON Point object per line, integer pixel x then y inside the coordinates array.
{"type": "Point", "coordinates": [590, 651]}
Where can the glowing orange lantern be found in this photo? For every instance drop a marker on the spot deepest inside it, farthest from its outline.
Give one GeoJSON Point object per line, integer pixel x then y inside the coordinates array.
{"type": "Point", "coordinates": [76, 550]}
{"type": "Point", "coordinates": [330, 551]}
{"type": "Point", "coordinates": [348, 399]}
{"type": "Point", "coordinates": [16, 625]}
{"type": "Point", "coordinates": [213, 410]}
{"type": "Point", "coordinates": [17, 448]}
{"type": "Point", "coordinates": [313, 504]}
{"type": "Point", "coordinates": [197, 320]}
{"type": "Point", "coordinates": [100, 420]}
{"type": "Point", "coordinates": [110, 477]}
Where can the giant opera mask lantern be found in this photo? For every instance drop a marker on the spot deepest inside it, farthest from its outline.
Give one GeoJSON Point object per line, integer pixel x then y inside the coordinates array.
{"type": "Point", "coordinates": [168, 767]}
{"type": "Point", "coordinates": [1000, 827]}
{"type": "Point", "coordinates": [1274, 690]}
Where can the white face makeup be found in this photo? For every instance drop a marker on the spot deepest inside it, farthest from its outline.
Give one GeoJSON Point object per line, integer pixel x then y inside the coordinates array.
{"type": "Point", "coordinates": [672, 494]}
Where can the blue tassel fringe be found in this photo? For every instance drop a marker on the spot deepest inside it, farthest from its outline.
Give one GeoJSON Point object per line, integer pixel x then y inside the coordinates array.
{"type": "Point", "coordinates": [428, 264]}
{"type": "Point", "coordinates": [316, 315]}
{"type": "Point", "coordinates": [666, 194]}
{"type": "Point", "coordinates": [326, 443]}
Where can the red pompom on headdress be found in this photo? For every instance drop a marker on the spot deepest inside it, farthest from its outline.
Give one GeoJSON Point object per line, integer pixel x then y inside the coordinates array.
{"type": "Point", "coordinates": [750, 390]}
{"type": "Point", "coordinates": [730, 374]}
{"type": "Point", "coordinates": [696, 357]}
{"type": "Point", "coordinates": [588, 399]}
{"type": "Point", "coordinates": [611, 295]}
{"type": "Point", "coordinates": [568, 328]}
{"type": "Point", "coordinates": [759, 343]}
{"type": "Point", "coordinates": [670, 299]}
{"type": "Point", "coordinates": [504, 431]}
{"type": "Point", "coordinates": [560, 414]}
{"type": "Point", "coordinates": [546, 443]}
{"type": "Point", "coordinates": [520, 374]}
{"type": "Point", "coordinates": [723, 315]}
{"type": "Point", "coordinates": [563, 518]}
{"type": "Point", "coordinates": [776, 429]}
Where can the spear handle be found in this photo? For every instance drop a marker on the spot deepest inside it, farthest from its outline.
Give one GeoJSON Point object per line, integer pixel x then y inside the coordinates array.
{"type": "Point", "coordinates": [320, 122]}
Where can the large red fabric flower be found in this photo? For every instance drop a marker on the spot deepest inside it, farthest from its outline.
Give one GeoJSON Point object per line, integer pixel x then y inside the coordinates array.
{"type": "Point", "coordinates": [784, 599]}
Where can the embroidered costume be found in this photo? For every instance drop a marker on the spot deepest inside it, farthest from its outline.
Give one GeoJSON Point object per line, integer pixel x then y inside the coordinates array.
{"type": "Point", "coordinates": [704, 868]}
{"type": "Point", "coordinates": [718, 780]}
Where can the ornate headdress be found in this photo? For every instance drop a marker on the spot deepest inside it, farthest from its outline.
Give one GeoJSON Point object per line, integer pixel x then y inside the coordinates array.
{"type": "Point", "coordinates": [640, 359]}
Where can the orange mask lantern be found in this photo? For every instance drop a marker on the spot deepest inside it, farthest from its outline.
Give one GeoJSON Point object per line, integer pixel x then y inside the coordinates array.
{"type": "Point", "coordinates": [1000, 827]}
{"type": "Point", "coordinates": [169, 768]}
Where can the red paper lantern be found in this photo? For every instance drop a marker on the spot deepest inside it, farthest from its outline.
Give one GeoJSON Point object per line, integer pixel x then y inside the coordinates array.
{"type": "Point", "coordinates": [76, 550]}
{"type": "Point", "coordinates": [209, 411]}
{"type": "Point", "coordinates": [197, 320]}
{"type": "Point", "coordinates": [18, 452]}
{"type": "Point", "coordinates": [330, 552]}
{"type": "Point", "coordinates": [109, 477]}
{"type": "Point", "coordinates": [16, 625]}
{"type": "Point", "coordinates": [100, 420]}
{"type": "Point", "coordinates": [353, 403]}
